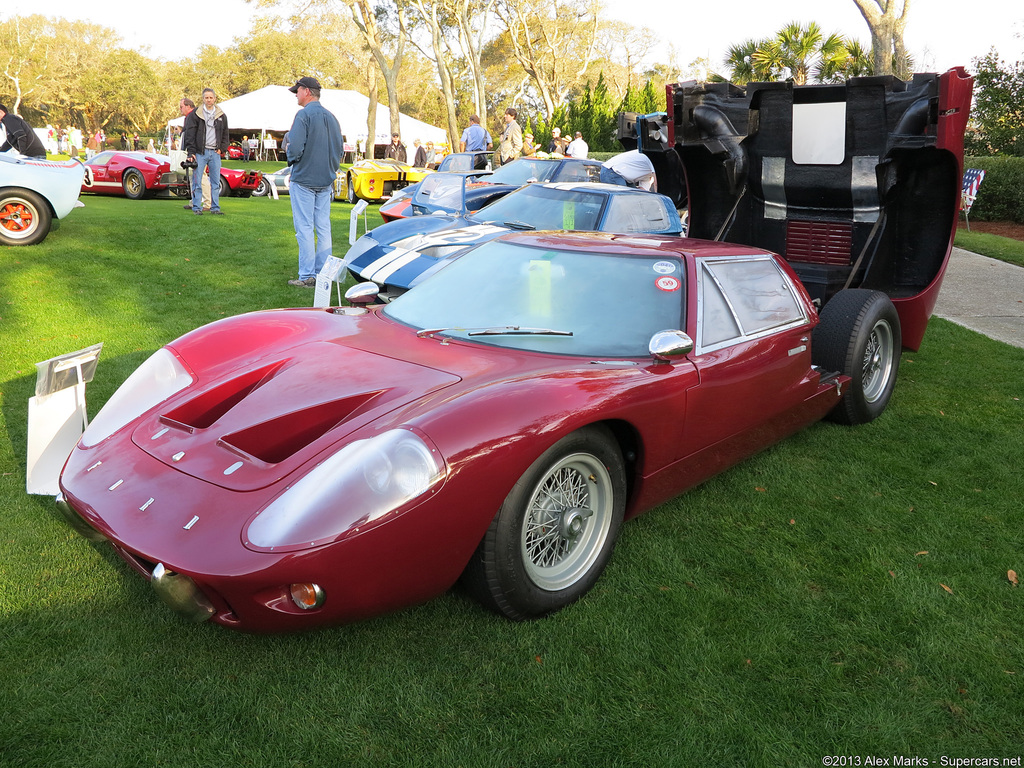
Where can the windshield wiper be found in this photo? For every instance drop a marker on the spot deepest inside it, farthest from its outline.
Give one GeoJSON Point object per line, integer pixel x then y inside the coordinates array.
{"type": "Point", "coordinates": [519, 225]}
{"type": "Point", "coordinates": [505, 330]}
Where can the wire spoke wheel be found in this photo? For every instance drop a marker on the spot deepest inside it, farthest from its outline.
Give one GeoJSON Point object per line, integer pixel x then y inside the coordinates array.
{"type": "Point", "coordinates": [556, 530]}
{"type": "Point", "coordinates": [878, 361]}
{"type": "Point", "coordinates": [567, 521]}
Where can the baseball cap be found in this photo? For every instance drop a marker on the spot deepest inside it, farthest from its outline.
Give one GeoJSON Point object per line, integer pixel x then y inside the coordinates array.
{"type": "Point", "coordinates": [305, 82]}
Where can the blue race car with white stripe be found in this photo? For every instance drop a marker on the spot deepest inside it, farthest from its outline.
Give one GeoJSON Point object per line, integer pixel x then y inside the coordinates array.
{"type": "Point", "coordinates": [402, 253]}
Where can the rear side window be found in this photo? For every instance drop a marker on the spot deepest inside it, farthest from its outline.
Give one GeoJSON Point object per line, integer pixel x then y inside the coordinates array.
{"type": "Point", "coordinates": [743, 298]}
{"type": "Point", "coordinates": [638, 213]}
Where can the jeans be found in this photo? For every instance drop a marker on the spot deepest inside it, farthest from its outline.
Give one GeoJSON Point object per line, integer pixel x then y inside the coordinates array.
{"type": "Point", "coordinates": [311, 213]}
{"type": "Point", "coordinates": [211, 158]}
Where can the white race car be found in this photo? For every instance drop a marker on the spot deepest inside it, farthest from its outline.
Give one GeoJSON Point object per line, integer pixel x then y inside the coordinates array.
{"type": "Point", "coordinates": [35, 195]}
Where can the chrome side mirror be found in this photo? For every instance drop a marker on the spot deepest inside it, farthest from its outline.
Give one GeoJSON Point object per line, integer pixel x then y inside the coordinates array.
{"type": "Point", "coordinates": [669, 346]}
{"type": "Point", "coordinates": [361, 294]}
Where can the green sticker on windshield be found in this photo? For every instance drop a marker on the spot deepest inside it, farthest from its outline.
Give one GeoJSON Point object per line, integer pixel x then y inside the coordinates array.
{"type": "Point", "coordinates": [569, 215]}
{"type": "Point", "coordinates": [540, 288]}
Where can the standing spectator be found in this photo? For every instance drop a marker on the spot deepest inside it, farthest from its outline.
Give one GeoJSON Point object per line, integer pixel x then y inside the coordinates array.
{"type": "Point", "coordinates": [511, 144]}
{"type": "Point", "coordinates": [136, 142]}
{"type": "Point", "coordinates": [430, 156]}
{"type": "Point", "coordinates": [245, 149]}
{"type": "Point", "coordinates": [419, 158]}
{"type": "Point", "coordinates": [186, 106]}
{"type": "Point", "coordinates": [577, 147]}
{"type": "Point", "coordinates": [206, 139]}
{"type": "Point", "coordinates": [476, 139]}
{"type": "Point", "coordinates": [20, 136]}
{"type": "Point", "coordinates": [396, 149]}
{"type": "Point", "coordinates": [529, 148]}
{"type": "Point", "coordinates": [124, 141]}
{"type": "Point", "coordinates": [558, 143]}
{"type": "Point", "coordinates": [315, 148]}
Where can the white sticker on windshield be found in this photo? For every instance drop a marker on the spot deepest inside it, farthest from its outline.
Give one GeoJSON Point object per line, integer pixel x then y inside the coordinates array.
{"type": "Point", "coordinates": [664, 267]}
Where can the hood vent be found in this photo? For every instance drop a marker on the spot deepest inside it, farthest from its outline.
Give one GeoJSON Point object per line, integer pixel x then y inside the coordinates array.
{"type": "Point", "coordinates": [275, 440]}
{"type": "Point", "coordinates": [206, 408]}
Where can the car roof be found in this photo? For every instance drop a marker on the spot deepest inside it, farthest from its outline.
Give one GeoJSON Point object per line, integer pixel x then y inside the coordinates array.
{"type": "Point", "coordinates": [588, 186]}
{"type": "Point", "coordinates": [637, 244]}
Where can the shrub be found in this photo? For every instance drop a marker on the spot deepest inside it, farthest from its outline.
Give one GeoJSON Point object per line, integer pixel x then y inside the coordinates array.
{"type": "Point", "coordinates": [999, 198]}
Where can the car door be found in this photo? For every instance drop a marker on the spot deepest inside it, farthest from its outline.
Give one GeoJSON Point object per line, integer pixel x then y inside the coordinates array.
{"type": "Point", "coordinates": [752, 353]}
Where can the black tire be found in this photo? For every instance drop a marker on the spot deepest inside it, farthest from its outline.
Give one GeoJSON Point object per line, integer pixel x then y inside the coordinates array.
{"type": "Point", "coordinates": [134, 184]}
{"type": "Point", "coordinates": [859, 336]}
{"type": "Point", "coordinates": [244, 193]}
{"type": "Point", "coordinates": [25, 217]}
{"type": "Point", "coordinates": [350, 193]}
{"type": "Point", "coordinates": [556, 530]}
{"type": "Point", "coordinates": [225, 190]}
{"type": "Point", "coordinates": [263, 188]}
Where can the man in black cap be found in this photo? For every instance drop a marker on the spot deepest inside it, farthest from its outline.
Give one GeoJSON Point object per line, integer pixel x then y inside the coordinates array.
{"type": "Point", "coordinates": [314, 154]}
{"type": "Point", "coordinates": [396, 149]}
{"type": "Point", "coordinates": [20, 135]}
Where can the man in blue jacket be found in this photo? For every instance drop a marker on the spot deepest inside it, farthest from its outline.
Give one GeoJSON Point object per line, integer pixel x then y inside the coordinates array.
{"type": "Point", "coordinates": [314, 154]}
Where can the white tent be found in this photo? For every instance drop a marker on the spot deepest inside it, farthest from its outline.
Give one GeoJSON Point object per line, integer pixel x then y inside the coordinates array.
{"type": "Point", "coordinates": [273, 108]}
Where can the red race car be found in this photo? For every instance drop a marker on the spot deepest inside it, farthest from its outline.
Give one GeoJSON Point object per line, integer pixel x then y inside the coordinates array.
{"type": "Point", "coordinates": [138, 175]}
{"type": "Point", "coordinates": [287, 469]}
{"type": "Point", "coordinates": [291, 468]}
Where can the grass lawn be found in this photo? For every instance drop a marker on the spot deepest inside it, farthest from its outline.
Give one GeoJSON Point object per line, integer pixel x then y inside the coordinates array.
{"type": "Point", "coordinates": [993, 246]}
{"type": "Point", "coordinates": [844, 593]}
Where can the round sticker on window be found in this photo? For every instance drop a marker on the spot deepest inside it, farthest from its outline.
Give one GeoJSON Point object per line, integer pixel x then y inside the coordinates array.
{"type": "Point", "coordinates": [664, 267]}
{"type": "Point", "coordinates": [667, 284]}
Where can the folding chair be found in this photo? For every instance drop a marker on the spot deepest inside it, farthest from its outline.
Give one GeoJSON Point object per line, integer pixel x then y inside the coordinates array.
{"type": "Point", "coordinates": [972, 181]}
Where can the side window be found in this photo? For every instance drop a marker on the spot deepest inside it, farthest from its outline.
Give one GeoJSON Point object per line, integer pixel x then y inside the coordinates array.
{"type": "Point", "coordinates": [636, 213]}
{"type": "Point", "coordinates": [744, 298]}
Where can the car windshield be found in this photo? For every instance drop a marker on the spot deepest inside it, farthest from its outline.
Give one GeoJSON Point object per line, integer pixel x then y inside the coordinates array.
{"type": "Point", "coordinates": [536, 207]}
{"type": "Point", "coordinates": [101, 158]}
{"type": "Point", "coordinates": [441, 191]}
{"type": "Point", "coordinates": [523, 171]}
{"type": "Point", "coordinates": [524, 297]}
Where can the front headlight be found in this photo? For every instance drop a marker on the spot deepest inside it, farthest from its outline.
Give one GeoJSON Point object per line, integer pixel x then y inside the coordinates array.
{"type": "Point", "coordinates": [152, 382]}
{"type": "Point", "coordinates": [359, 484]}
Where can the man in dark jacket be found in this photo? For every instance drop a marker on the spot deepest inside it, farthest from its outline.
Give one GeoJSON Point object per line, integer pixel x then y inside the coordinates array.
{"type": "Point", "coordinates": [20, 135]}
{"type": "Point", "coordinates": [206, 139]}
{"type": "Point", "coordinates": [395, 150]}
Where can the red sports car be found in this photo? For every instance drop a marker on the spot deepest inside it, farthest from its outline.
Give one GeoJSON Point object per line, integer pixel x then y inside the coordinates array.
{"type": "Point", "coordinates": [137, 175]}
{"type": "Point", "coordinates": [291, 468]}
{"type": "Point", "coordinates": [287, 469]}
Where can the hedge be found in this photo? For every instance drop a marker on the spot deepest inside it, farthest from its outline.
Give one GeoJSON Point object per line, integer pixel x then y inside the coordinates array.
{"type": "Point", "coordinates": [1001, 196]}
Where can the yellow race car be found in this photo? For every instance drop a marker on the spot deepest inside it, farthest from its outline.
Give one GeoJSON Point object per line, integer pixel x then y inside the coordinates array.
{"type": "Point", "coordinates": [375, 180]}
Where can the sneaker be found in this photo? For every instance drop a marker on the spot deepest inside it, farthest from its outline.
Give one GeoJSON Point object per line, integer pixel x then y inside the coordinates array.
{"type": "Point", "coordinates": [198, 213]}
{"type": "Point", "coordinates": [218, 212]}
{"type": "Point", "coordinates": [187, 206]}
{"type": "Point", "coordinates": [309, 282]}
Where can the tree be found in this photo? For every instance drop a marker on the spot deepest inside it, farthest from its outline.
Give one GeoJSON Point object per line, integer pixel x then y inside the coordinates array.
{"type": "Point", "coordinates": [22, 51]}
{"type": "Point", "coordinates": [376, 36]}
{"type": "Point", "coordinates": [471, 17]}
{"type": "Point", "coordinates": [553, 40]}
{"type": "Point", "coordinates": [998, 114]}
{"type": "Point", "coordinates": [798, 53]}
{"type": "Point", "coordinates": [887, 20]}
{"type": "Point", "coordinates": [428, 14]}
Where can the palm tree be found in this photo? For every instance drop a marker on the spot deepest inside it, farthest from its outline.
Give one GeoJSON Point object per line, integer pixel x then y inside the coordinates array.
{"type": "Point", "coordinates": [740, 61]}
{"type": "Point", "coordinates": [795, 53]}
